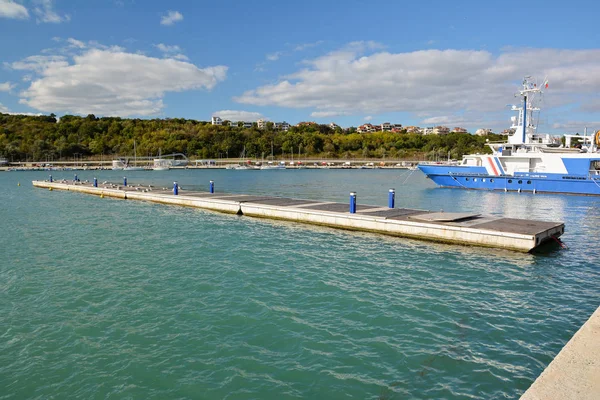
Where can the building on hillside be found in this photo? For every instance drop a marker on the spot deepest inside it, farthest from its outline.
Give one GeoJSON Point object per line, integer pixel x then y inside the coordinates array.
{"type": "Point", "coordinates": [413, 129]}
{"type": "Point", "coordinates": [386, 127]}
{"type": "Point", "coordinates": [367, 128]}
{"type": "Point", "coordinates": [216, 121]}
{"type": "Point", "coordinates": [458, 129]}
{"type": "Point", "coordinates": [283, 126]}
{"type": "Point", "coordinates": [439, 130]}
{"type": "Point", "coordinates": [261, 124]}
{"type": "Point", "coordinates": [483, 132]}
{"type": "Point", "coordinates": [247, 124]}
{"type": "Point", "coordinates": [307, 123]}
{"type": "Point", "coordinates": [233, 124]}
{"type": "Point", "coordinates": [334, 126]}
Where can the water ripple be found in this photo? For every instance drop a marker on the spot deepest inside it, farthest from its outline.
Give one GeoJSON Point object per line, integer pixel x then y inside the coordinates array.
{"type": "Point", "coordinates": [117, 299]}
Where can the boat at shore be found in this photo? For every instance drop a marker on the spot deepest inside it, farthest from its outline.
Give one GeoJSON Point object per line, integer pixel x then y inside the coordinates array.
{"type": "Point", "coordinates": [528, 161]}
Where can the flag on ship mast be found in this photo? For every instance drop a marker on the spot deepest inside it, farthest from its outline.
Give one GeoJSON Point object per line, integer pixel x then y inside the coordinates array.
{"type": "Point", "coordinates": [546, 84]}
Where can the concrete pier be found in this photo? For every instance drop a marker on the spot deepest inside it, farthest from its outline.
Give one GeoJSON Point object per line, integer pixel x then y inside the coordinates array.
{"type": "Point", "coordinates": [575, 371]}
{"type": "Point", "coordinates": [456, 228]}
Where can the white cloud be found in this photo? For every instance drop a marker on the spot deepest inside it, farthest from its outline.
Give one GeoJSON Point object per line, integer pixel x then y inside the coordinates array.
{"type": "Point", "coordinates": [274, 56]}
{"type": "Point", "coordinates": [171, 18]}
{"type": "Point", "coordinates": [5, 110]}
{"type": "Point", "coordinates": [327, 114]}
{"type": "Point", "coordinates": [577, 126]}
{"type": "Point", "coordinates": [76, 43]}
{"type": "Point", "coordinates": [38, 63]}
{"type": "Point", "coordinates": [45, 13]}
{"type": "Point", "coordinates": [444, 120]}
{"type": "Point", "coordinates": [10, 9]}
{"type": "Point", "coordinates": [305, 46]}
{"type": "Point", "coordinates": [165, 48]}
{"type": "Point", "coordinates": [233, 115]}
{"type": "Point", "coordinates": [7, 86]}
{"type": "Point", "coordinates": [368, 118]}
{"type": "Point", "coordinates": [110, 82]}
{"type": "Point", "coordinates": [447, 83]}
{"type": "Point", "coordinates": [169, 50]}
{"type": "Point", "coordinates": [181, 57]}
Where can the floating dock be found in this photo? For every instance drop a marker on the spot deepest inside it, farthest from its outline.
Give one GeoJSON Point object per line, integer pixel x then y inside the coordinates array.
{"type": "Point", "coordinates": [455, 228]}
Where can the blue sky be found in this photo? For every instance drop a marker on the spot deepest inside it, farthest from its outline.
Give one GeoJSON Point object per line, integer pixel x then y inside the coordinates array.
{"type": "Point", "coordinates": [417, 63]}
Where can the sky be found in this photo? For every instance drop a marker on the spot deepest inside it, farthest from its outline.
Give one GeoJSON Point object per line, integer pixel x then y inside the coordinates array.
{"type": "Point", "coordinates": [422, 63]}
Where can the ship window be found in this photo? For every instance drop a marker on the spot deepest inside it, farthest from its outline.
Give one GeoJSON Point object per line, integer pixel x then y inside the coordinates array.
{"type": "Point", "coordinates": [483, 180]}
{"type": "Point", "coordinates": [474, 179]}
{"type": "Point", "coordinates": [491, 180]}
{"type": "Point", "coordinates": [510, 181]}
{"type": "Point", "coordinates": [529, 182]}
{"type": "Point", "coordinates": [466, 179]}
{"type": "Point", "coordinates": [520, 181]}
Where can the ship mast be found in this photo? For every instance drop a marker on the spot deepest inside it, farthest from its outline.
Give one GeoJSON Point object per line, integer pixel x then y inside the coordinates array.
{"type": "Point", "coordinates": [523, 125]}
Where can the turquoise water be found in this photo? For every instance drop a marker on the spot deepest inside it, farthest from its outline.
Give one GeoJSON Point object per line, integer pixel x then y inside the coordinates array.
{"type": "Point", "coordinates": [104, 298]}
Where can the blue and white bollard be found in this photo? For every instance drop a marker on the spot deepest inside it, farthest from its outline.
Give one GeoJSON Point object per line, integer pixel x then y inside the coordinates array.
{"type": "Point", "coordinates": [76, 179]}
{"type": "Point", "coordinates": [95, 182]}
{"type": "Point", "coordinates": [212, 186]}
{"type": "Point", "coordinates": [51, 179]}
{"type": "Point", "coordinates": [175, 188]}
{"type": "Point", "coordinates": [124, 181]}
{"type": "Point", "coordinates": [352, 203]}
{"type": "Point", "coordinates": [392, 198]}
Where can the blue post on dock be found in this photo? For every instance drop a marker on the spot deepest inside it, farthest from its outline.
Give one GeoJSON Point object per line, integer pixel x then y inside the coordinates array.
{"type": "Point", "coordinates": [352, 202]}
{"type": "Point", "coordinates": [51, 179]}
{"type": "Point", "coordinates": [392, 198]}
{"type": "Point", "coordinates": [95, 182]}
{"type": "Point", "coordinates": [75, 179]}
{"type": "Point", "coordinates": [212, 186]}
{"type": "Point", "coordinates": [175, 188]}
{"type": "Point", "coordinates": [124, 181]}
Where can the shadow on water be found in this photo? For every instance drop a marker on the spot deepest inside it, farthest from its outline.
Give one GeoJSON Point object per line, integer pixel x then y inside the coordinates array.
{"type": "Point", "coordinates": [550, 249]}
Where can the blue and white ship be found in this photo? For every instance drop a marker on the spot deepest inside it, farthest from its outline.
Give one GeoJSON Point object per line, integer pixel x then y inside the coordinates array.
{"type": "Point", "coordinates": [528, 162]}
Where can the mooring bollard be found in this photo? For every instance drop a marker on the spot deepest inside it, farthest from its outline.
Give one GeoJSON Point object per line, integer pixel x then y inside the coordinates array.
{"type": "Point", "coordinates": [212, 186]}
{"type": "Point", "coordinates": [352, 203]}
{"type": "Point", "coordinates": [51, 179]}
{"type": "Point", "coordinates": [124, 181]}
{"type": "Point", "coordinates": [95, 182]}
{"type": "Point", "coordinates": [175, 188]}
{"type": "Point", "coordinates": [392, 198]}
{"type": "Point", "coordinates": [75, 179]}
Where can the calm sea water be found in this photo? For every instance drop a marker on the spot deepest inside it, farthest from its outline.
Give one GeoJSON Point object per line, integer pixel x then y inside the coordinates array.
{"type": "Point", "coordinates": [104, 298]}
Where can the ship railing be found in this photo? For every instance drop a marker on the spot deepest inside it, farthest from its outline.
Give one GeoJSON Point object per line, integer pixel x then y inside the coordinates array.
{"type": "Point", "coordinates": [594, 174]}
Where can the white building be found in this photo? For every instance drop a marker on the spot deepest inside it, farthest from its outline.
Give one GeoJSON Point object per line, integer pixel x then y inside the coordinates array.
{"type": "Point", "coordinates": [483, 132]}
{"type": "Point", "coordinates": [437, 130]}
{"type": "Point", "coordinates": [386, 127]}
{"type": "Point", "coordinates": [217, 121]}
{"type": "Point", "coordinates": [247, 124]}
{"type": "Point", "coordinates": [261, 124]}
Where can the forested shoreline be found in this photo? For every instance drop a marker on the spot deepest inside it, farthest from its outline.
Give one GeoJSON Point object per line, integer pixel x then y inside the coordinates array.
{"type": "Point", "coordinates": [42, 138]}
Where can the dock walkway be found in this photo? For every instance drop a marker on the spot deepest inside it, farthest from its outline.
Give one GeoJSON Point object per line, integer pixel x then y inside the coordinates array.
{"type": "Point", "coordinates": [574, 374]}
{"type": "Point", "coordinates": [456, 228]}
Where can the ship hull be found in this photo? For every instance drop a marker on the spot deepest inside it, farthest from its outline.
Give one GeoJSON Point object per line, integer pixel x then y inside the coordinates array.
{"type": "Point", "coordinates": [478, 179]}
